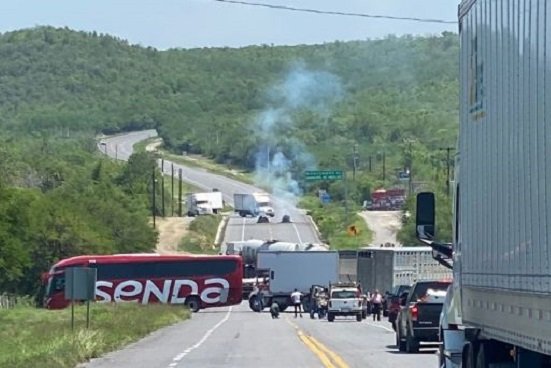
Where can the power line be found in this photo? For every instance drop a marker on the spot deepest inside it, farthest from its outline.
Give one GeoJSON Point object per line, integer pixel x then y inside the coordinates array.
{"type": "Point", "coordinates": [328, 12]}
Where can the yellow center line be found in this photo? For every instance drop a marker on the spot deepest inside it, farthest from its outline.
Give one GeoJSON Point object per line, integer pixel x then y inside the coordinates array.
{"type": "Point", "coordinates": [328, 358]}
{"type": "Point", "coordinates": [324, 358]}
{"type": "Point", "coordinates": [334, 356]}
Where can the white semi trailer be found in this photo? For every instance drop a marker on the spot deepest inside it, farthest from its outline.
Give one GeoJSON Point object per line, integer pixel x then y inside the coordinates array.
{"type": "Point", "coordinates": [498, 312]}
{"type": "Point", "coordinates": [386, 268]}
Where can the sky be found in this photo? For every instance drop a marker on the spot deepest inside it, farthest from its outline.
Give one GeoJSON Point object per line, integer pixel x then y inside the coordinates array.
{"type": "Point", "coordinates": [167, 24]}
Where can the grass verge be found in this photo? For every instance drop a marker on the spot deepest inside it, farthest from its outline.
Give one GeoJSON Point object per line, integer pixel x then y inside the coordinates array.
{"type": "Point", "coordinates": [333, 225]}
{"type": "Point", "coordinates": [43, 338]}
{"type": "Point", "coordinates": [201, 235]}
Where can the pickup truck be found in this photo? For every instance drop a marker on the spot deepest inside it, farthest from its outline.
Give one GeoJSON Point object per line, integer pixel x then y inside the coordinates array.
{"type": "Point", "coordinates": [393, 302]}
{"type": "Point", "coordinates": [345, 300]}
{"type": "Point", "coordinates": [419, 315]}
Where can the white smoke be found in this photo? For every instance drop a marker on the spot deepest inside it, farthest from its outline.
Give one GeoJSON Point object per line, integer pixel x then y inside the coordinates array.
{"type": "Point", "coordinates": [281, 157]}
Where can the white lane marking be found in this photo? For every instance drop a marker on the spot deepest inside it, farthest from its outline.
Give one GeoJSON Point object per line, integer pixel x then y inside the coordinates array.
{"type": "Point", "coordinates": [181, 356]}
{"type": "Point", "coordinates": [270, 231]}
{"type": "Point", "coordinates": [298, 234]}
{"type": "Point", "coordinates": [243, 229]}
{"type": "Point", "coordinates": [379, 326]}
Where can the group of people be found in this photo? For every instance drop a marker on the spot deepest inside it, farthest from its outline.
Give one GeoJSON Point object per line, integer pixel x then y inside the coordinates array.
{"type": "Point", "coordinates": [375, 298]}
{"type": "Point", "coordinates": [296, 299]}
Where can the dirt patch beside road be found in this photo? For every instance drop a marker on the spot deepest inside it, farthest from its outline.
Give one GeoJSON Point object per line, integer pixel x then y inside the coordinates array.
{"type": "Point", "coordinates": [171, 231]}
{"type": "Point", "coordinates": [384, 224]}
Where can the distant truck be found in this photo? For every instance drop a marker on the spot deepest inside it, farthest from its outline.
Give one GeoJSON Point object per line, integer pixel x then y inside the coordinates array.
{"type": "Point", "coordinates": [283, 272]}
{"type": "Point", "coordinates": [386, 268]}
{"type": "Point", "coordinates": [387, 199]}
{"type": "Point", "coordinates": [204, 203]}
{"type": "Point", "coordinates": [253, 204]}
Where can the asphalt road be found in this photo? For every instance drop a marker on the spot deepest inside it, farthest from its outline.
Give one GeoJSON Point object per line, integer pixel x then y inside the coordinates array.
{"type": "Point", "coordinates": [300, 230]}
{"type": "Point", "coordinates": [237, 337]}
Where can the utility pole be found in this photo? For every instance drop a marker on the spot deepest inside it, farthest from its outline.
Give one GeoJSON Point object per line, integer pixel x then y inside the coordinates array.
{"type": "Point", "coordinates": [384, 165]}
{"type": "Point", "coordinates": [163, 186]}
{"type": "Point", "coordinates": [345, 199]}
{"type": "Point", "coordinates": [153, 197]}
{"type": "Point", "coordinates": [369, 163]}
{"type": "Point", "coordinates": [172, 189]}
{"type": "Point", "coordinates": [180, 192]}
{"type": "Point", "coordinates": [448, 163]}
{"type": "Point", "coordinates": [354, 161]}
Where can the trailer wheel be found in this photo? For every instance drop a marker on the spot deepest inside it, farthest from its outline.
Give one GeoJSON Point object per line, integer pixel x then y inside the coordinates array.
{"type": "Point", "coordinates": [330, 317]}
{"type": "Point", "coordinates": [192, 302]}
{"type": "Point", "coordinates": [470, 352]}
{"type": "Point", "coordinates": [482, 358]}
{"type": "Point", "coordinates": [255, 303]}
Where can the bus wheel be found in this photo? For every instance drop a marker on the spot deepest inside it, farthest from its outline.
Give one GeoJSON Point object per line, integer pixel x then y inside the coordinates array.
{"type": "Point", "coordinates": [193, 304]}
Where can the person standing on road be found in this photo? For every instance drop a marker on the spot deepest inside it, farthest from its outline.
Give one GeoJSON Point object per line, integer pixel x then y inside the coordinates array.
{"type": "Point", "coordinates": [295, 298]}
{"type": "Point", "coordinates": [377, 304]}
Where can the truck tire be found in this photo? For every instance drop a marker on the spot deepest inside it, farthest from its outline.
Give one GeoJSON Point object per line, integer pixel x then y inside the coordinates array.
{"type": "Point", "coordinates": [470, 352]}
{"type": "Point", "coordinates": [412, 345]}
{"type": "Point", "coordinates": [192, 302]}
{"type": "Point", "coordinates": [330, 317]}
{"type": "Point", "coordinates": [482, 357]}
{"type": "Point", "coordinates": [255, 303]}
{"type": "Point", "coordinates": [306, 304]}
{"type": "Point", "coordinates": [282, 307]}
{"type": "Point", "coordinates": [359, 317]}
{"type": "Point", "coordinates": [242, 214]}
{"type": "Point", "coordinates": [400, 344]}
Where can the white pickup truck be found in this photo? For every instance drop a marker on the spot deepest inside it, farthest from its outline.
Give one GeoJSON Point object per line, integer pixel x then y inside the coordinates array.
{"type": "Point", "coordinates": [344, 300]}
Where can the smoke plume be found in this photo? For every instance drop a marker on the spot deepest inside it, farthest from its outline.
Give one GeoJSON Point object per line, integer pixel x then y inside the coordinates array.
{"type": "Point", "coordinates": [281, 157]}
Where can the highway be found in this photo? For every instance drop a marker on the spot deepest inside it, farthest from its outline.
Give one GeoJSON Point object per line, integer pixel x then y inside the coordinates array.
{"type": "Point", "coordinates": [301, 229]}
{"type": "Point", "coordinates": [237, 337]}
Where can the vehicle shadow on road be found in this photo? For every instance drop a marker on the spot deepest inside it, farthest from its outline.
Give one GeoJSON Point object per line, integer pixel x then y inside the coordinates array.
{"type": "Point", "coordinates": [425, 350]}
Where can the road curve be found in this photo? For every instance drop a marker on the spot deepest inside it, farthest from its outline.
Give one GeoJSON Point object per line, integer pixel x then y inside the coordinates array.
{"type": "Point", "coordinates": [300, 230]}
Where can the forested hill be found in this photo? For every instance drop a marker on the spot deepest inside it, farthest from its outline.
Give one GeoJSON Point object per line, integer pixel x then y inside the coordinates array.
{"type": "Point", "coordinates": [383, 92]}
{"type": "Point", "coordinates": [395, 99]}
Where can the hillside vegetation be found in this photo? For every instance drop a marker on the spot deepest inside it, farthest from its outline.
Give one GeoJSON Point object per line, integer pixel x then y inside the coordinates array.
{"type": "Point", "coordinates": [273, 110]}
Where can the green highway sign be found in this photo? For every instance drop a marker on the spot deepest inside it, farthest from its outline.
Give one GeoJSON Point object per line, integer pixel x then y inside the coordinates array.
{"type": "Point", "coordinates": [324, 175]}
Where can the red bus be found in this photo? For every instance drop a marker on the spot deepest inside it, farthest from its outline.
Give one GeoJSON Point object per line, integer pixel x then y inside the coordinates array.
{"type": "Point", "coordinates": [198, 281]}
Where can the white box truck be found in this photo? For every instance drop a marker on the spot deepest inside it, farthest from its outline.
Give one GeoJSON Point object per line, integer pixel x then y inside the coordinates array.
{"type": "Point", "coordinates": [498, 311]}
{"type": "Point", "coordinates": [286, 271]}
{"type": "Point", "coordinates": [253, 204]}
{"type": "Point", "coordinates": [204, 203]}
